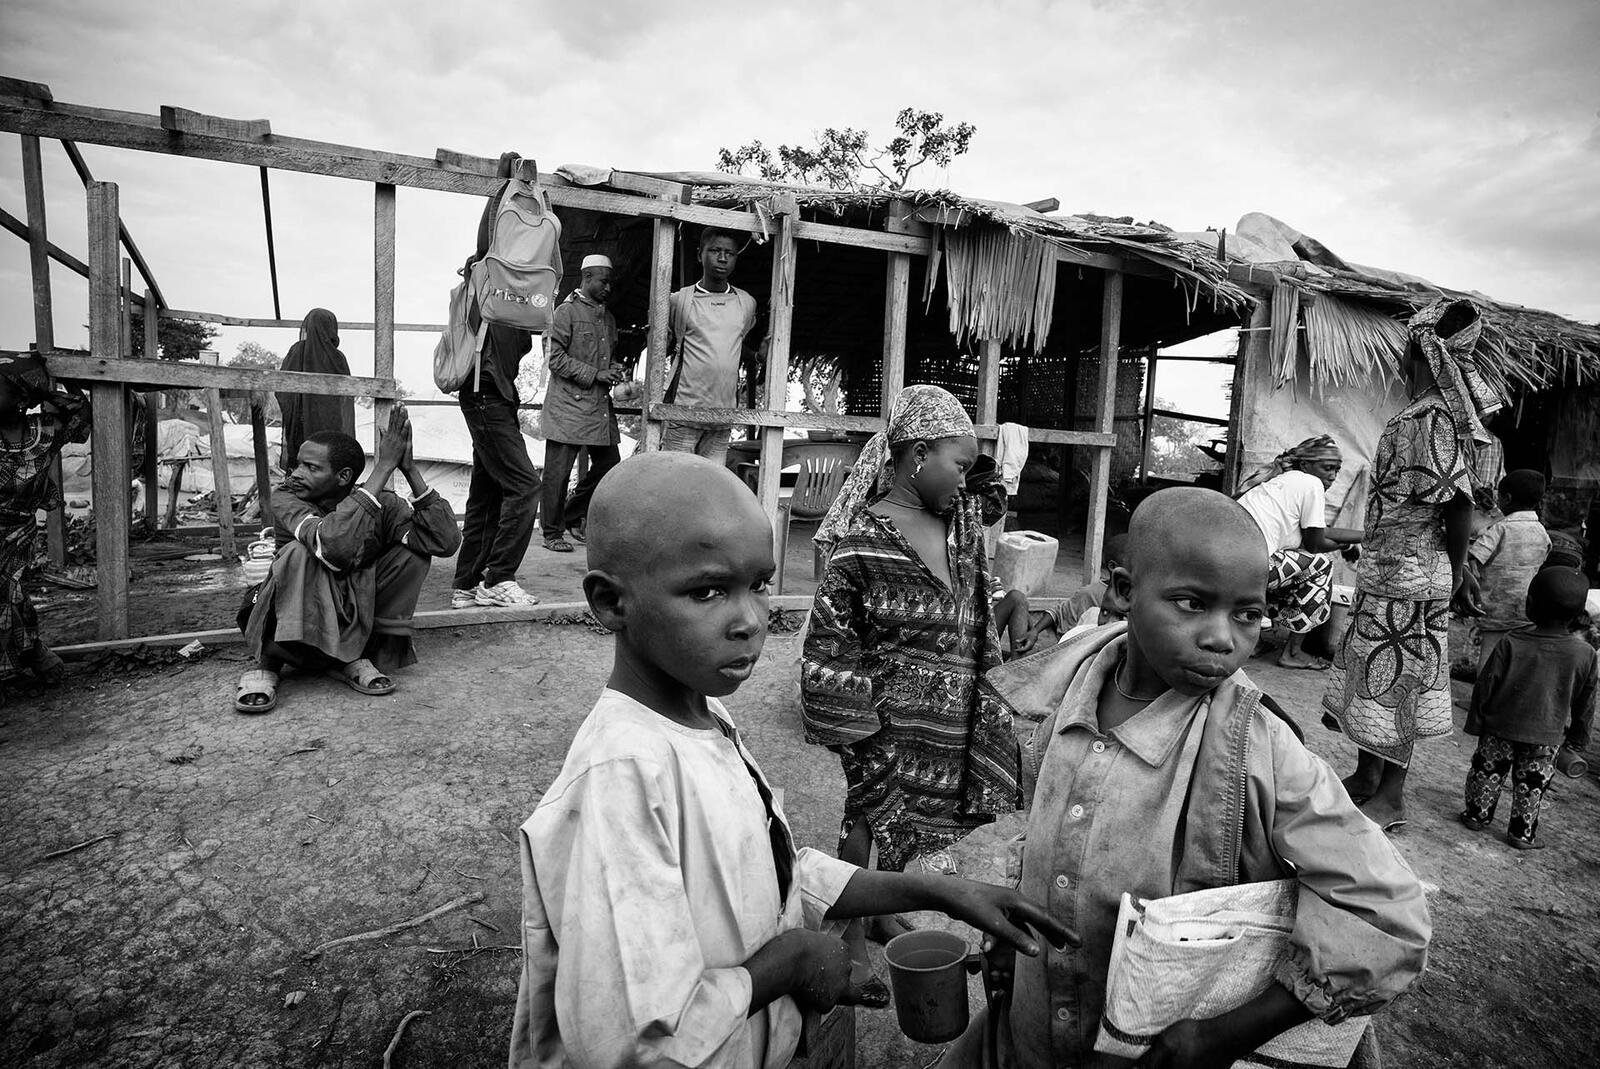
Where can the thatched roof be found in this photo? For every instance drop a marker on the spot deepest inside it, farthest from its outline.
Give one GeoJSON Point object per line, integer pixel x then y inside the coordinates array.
{"type": "Point", "coordinates": [1354, 315]}
{"type": "Point", "coordinates": [998, 260]}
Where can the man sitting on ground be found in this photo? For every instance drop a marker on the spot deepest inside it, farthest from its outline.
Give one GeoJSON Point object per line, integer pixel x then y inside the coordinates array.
{"type": "Point", "coordinates": [350, 564]}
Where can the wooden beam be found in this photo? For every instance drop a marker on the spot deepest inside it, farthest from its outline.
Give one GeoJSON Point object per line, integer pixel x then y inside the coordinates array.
{"type": "Point", "coordinates": [81, 165]}
{"type": "Point", "coordinates": [714, 417]}
{"type": "Point", "coordinates": [1255, 346]}
{"type": "Point", "coordinates": [184, 121]}
{"type": "Point", "coordinates": [289, 324]}
{"type": "Point", "coordinates": [17, 87]}
{"type": "Point", "coordinates": [989, 381]}
{"type": "Point", "coordinates": [662, 245]}
{"type": "Point", "coordinates": [152, 424]}
{"type": "Point", "coordinates": [896, 308]}
{"type": "Point", "coordinates": [125, 311]}
{"type": "Point", "coordinates": [1100, 261]}
{"type": "Point", "coordinates": [780, 314]}
{"type": "Point", "coordinates": [1105, 417]}
{"type": "Point", "coordinates": [865, 239]}
{"type": "Point", "coordinates": [1048, 204]}
{"type": "Point", "coordinates": [651, 187]}
{"type": "Point", "coordinates": [110, 413]}
{"type": "Point", "coordinates": [1145, 423]}
{"type": "Point", "coordinates": [219, 473]}
{"type": "Point", "coordinates": [262, 449]}
{"type": "Point", "coordinates": [1189, 417]}
{"type": "Point", "coordinates": [525, 169]}
{"type": "Point", "coordinates": [44, 330]}
{"type": "Point", "coordinates": [187, 375]}
{"type": "Point", "coordinates": [383, 238]}
{"type": "Point", "coordinates": [54, 252]}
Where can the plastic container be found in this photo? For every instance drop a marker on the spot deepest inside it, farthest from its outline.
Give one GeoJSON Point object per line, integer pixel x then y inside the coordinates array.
{"type": "Point", "coordinates": [1024, 561]}
{"type": "Point", "coordinates": [1571, 762]}
{"type": "Point", "coordinates": [928, 974]}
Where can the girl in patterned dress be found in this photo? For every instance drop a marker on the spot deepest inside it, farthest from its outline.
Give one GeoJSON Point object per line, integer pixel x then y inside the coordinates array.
{"type": "Point", "coordinates": [27, 445]}
{"type": "Point", "coordinates": [1390, 686]}
{"type": "Point", "coordinates": [902, 629]}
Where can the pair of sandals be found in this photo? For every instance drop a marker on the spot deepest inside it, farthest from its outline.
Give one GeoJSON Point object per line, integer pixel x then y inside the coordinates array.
{"type": "Point", "coordinates": [258, 688]}
{"type": "Point", "coordinates": [559, 544]}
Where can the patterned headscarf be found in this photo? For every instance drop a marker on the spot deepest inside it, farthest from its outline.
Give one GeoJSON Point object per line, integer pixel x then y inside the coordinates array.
{"type": "Point", "coordinates": [920, 413]}
{"type": "Point", "coordinates": [1319, 447]}
{"type": "Point", "coordinates": [1466, 392]}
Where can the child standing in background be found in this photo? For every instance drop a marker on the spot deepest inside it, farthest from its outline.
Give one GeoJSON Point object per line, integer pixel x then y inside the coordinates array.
{"type": "Point", "coordinates": [1505, 558]}
{"type": "Point", "coordinates": [1535, 691]}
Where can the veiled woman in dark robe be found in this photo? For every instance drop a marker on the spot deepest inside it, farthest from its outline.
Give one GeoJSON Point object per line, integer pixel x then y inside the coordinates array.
{"type": "Point", "coordinates": [305, 414]}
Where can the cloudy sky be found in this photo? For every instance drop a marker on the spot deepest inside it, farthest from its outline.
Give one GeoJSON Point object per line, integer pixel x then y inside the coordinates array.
{"type": "Point", "coordinates": [1459, 141]}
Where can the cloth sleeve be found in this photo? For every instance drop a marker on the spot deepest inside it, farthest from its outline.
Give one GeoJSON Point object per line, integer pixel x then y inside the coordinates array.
{"type": "Point", "coordinates": [1486, 686]}
{"type": "Point", "coordinates": [1486, 547]}
{"type": "Point", "coordinates": [1582, 705]}
{"type": "Point", "coordinates": [632, 987]}
{"type": "Point", "coordinates": [836, 695]}
{"type": "Point", "coordinates": [1431, 466]}
{"type": "Point", "coordinates": [427, 525]}
{"type": "Point", "coordinates": [562, 361]}
{"type": "Point", "coordinates": [1313, 505]}
{"type": "Point", "coordinates": [342, 539]}
{"type": "Point", "coordinates": [820, 880]}
{"type": "Point", "coordinates": [73, 421]}
{"type": "Point", "coordinates": [1362, 931]}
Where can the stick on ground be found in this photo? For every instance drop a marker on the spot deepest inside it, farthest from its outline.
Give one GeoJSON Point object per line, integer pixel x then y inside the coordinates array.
{"type": "Point", "coordinates": [395, 1042]}
{"type": "Point", "coordinates": [86, 843]}
{"type": "Point", "coordinates": [395, 929]}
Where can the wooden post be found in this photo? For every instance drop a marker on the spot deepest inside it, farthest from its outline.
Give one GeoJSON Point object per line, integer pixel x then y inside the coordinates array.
{"type": "Point", "coordinates": [219, 473]}
{"type": "Point", "coordinates": [1105, 422]}
{"type": "Point", "coordinates": [895, 307]}
{"type": "Point", "coordinates": [110, 449]}
{"type": "Point", "coordinates": [258, 438]}
{"type": "Point", "coordinates": [662, 240]}
{"type": "Point", "coordinates": [383, 297]}
{"type": "Point", "coordinates": [1144, 427]}
{"type": "Point", "coordinates": [781, 312]}
{"type": "Point", "coordinates": [152, 418]}
{"type": "Point", "coordinates": [44, 329]}
{"type": "Point", "coordinates": [125, 299]}
{"type": "Point", "coordinates": [988, 381]}
{"type": "Point", "coordinates": [1255, 347]}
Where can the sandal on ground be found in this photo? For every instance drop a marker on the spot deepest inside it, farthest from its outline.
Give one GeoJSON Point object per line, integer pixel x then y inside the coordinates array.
{"type": "Point", "coordinates": [363, 677]}
{"type": "Point", "coordinates": [576, 534]}
{"type": "Point", "coordinates": [558, 545]}
{"type": "Point", "coordinates": [1317, 664]}
{"type": "Point", "coordinates": [1331, 722]}
{"type": "Point", "coordinates": [258, 682]}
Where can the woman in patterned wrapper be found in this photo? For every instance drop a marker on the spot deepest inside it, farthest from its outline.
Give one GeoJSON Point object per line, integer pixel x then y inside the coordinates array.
{"type": "Point", "coordinates": [905, 622]}
{"type": "Point", "coordinates": [27, 445]}
{"type": "Point", "coordinates": [1390, 684]}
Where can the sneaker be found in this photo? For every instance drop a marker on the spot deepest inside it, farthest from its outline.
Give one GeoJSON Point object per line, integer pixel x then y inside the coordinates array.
{"type": "Point", "coordinates": [503, 594]}
{"type": "Point", "coordinates": [463, 599]}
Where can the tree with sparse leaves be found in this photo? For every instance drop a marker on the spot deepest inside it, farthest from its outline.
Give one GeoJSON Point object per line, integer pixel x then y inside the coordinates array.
{"type": "Point", "coordinates": [180, 339]}
{"type": "Point", "coordinates": [254, 355]}
{"type": "Point", "coordinates": [844, 159]}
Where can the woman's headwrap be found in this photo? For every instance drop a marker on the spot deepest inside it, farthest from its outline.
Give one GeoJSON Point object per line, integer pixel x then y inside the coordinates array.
{"type": "Point", "coordinates": [920, 413]}
{"type": "Point", "coordinates": [27, 374]}
{"type": "Point", "coordinates": [1466, 392]}
{"type": "Point", "coordinates": [1320, 447]}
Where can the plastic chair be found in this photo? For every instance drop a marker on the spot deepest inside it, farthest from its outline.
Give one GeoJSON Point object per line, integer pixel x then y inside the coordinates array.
{"type": "Point", "coordinates": [824, 466]}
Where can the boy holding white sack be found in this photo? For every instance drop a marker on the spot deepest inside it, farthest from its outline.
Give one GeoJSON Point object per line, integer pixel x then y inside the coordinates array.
{"type": "Point", "coordinates": [1158, 771]}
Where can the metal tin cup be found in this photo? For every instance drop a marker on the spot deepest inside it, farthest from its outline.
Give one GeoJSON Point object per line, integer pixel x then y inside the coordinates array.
{"type": "Point", "coordinates": [1571, 762]}
{"type": "Point", "coordinates": [928, 974]}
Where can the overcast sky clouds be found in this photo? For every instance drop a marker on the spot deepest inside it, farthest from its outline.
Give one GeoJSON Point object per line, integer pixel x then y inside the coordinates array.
{"type": "Point", "coordinates": [1459, 141]}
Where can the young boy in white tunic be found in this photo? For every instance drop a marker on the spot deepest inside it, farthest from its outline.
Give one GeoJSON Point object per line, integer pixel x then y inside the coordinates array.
{"type": "Point", "coordinates": [667, 917]}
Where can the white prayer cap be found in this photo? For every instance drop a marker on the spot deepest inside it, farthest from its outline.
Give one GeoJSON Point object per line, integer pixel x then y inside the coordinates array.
{"type": "Point", "coordinates": [596, 260]}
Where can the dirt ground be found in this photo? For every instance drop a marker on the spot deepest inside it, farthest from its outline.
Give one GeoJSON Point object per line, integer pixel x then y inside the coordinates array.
{"type": "Point", "coordinates": [234, 845]}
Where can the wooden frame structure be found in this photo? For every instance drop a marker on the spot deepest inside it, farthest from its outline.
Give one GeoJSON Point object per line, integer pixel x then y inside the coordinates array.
{"type": "Point", "coordinates": [29, 110]}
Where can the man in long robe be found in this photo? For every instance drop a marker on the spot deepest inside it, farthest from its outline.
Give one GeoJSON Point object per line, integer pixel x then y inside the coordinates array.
{"type": "Point", "coordinates": [350, 565]}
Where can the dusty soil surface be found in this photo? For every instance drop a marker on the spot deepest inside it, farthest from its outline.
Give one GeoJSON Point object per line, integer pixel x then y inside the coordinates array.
{"type": "Point", "coordinates": [236, 845]}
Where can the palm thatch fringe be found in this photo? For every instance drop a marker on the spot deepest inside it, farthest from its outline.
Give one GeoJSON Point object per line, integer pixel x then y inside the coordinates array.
{"type": "Point", "coordinates": [1001, 285]}
{"type": "Point", "coordinates": [1349, 342]}
{"type": "Point", "coordinates": [1285, 348]}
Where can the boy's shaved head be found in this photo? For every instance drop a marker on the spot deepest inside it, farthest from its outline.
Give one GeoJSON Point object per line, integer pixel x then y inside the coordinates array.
{"type": "Point", "coordinates": [652, 503]}
{"type": "Point", "coordinates": [1193, 587]}
{"type": "Point", "coordinates": [1171, 520]}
